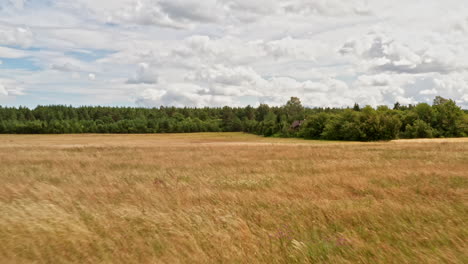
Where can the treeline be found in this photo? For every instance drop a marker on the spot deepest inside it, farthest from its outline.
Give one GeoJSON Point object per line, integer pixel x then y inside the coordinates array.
{"type": "Point", "coordinates": [442, 119]}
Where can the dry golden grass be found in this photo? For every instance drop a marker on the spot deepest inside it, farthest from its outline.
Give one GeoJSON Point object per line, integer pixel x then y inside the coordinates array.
{"type": "Point", "coordinates": [231, 198]}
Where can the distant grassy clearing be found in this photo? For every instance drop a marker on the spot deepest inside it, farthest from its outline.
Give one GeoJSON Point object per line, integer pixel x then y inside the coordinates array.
{"type": "Point", "coordinates": [148, 140]}
{"type": "Point", "coordinates": [231, 198]}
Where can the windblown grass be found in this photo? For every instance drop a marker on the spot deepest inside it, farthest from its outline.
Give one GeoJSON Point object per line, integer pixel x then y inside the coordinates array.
{"type": "Point", "coordinates": [231, 198]}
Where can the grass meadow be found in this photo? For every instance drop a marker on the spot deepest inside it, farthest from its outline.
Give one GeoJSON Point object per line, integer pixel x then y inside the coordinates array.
{"type": "Point", "coordinates": [231, 198]}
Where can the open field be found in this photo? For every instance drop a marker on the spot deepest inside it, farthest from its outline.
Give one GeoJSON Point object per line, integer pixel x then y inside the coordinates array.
{"type": "Point", "coordinates": [231, 198]}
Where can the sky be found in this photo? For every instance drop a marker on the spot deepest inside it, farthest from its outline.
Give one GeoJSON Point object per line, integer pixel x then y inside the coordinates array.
{"type": "Point", "coordinates": [148, 53]}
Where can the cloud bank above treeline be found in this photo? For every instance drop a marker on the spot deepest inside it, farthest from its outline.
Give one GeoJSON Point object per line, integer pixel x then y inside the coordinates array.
{"type": "Point", "coordinates": [224, 52]}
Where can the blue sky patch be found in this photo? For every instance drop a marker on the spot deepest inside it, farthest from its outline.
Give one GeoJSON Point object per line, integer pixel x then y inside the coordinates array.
{"type": "Point", "coordinates": [21, 63]}
{"type": "Point", "coordinates": [89, 55]}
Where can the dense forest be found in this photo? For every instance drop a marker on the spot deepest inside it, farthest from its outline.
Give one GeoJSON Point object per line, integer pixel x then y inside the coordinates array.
{"type": "Point", "coordinates": [441, 119]}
